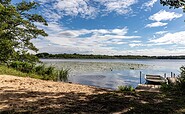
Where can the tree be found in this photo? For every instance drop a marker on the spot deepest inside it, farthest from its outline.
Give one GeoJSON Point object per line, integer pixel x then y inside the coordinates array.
{"type": "Point", "coordinates": [17, 29]}
{"type": "Point", "coordinates": [174, 3]}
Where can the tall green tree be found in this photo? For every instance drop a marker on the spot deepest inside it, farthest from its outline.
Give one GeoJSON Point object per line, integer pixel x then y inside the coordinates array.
{"type": "Point", "coordinates": [17, 29]}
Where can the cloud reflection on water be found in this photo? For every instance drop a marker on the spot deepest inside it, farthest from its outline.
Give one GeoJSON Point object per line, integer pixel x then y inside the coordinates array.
{"type": "Point", "coordinates": [113, 73]}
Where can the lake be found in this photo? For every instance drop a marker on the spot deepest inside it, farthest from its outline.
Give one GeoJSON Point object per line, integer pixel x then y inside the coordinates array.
{"type": "Point", "coordinates": [111, 73]}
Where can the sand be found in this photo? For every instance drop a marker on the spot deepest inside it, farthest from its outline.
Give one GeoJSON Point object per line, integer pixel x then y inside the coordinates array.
{"type": "Point", "coordinates": [20, 94]}
{"type": "Point", "coordinates": [32, 96]}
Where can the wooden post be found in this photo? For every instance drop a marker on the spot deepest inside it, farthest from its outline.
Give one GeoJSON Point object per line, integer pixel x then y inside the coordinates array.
{"type": "Point", "coordinates": [164, 75]}
{"type": "Point", "coordinates": [140, 77]}
{"type": "Point", "coordinates": [174, 75]}
{"type": "Point", "coordinates": [171, 74]}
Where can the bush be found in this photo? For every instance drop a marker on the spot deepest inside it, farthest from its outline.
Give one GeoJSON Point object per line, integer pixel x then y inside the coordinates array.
{"type": "Point", "coordinates": [125, 88]}
{"type": "Point", "coordinates": [179, 86]}
{"type": "Point", "coordinates": [46, 73]}
{"type": "Point", "coordinates": [63, 75]}
{"type": "Point", "coordinates": [50, 73]}
{"type": "Point", "coordinates": [40, 70]}
{"type": "Point", "coordinates": [22, 66]}
{"type": "Point", "coordinates": [166, 87]}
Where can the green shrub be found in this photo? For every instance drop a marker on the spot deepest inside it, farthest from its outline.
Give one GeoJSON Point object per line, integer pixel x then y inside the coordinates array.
{"type": "Point", "coordinates": [179, 86]}
{"type": "Point", "coordinates": [50, 73]}
{"type": "Point", "coordinates": [22, 66]}
{"type": "Point", "coordinates": [4, 70]}
{"type": "Point", "coordinates": [182, 78]}
{"type": "Point", "coordinates": [166, 87]}
{"type": "Point", "coordinates": [125, 88]}
{"type": "Point", "coordinates": [63, 75]}
{"type": "Point", "coordinates": [40, 69]}
{"type": "Point", "coordinates": [45, 73]}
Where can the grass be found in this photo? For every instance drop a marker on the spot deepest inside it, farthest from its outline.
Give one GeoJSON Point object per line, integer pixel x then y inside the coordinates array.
{"type": "Point", "coordinates": [125, 88]}
{"type": "Point", "coordinates": [4, 70]}
{"type": "Point", "coordinates": [39, 72]}
{"type": "Point", "coordinates": [63, 75]}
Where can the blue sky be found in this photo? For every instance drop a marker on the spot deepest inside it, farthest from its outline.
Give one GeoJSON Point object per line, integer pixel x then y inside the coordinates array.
{"type": "Point", "coordinates": [111, 27]}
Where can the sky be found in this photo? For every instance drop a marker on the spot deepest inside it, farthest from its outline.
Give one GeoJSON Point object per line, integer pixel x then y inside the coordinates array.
{"type": "Point", "coordinates": [111, 27]}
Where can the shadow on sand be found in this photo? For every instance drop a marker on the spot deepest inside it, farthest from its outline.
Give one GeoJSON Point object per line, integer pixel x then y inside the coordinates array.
{"type": "Point", "coordinates": [23, 101]}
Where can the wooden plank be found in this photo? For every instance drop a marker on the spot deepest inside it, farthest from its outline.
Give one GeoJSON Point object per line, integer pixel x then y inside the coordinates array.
{"type": "Point", "coordinates": [148, 88]}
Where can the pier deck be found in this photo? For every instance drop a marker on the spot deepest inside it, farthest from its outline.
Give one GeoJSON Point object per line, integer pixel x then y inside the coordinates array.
{"type": "Point", "coordinates": [148, 88]}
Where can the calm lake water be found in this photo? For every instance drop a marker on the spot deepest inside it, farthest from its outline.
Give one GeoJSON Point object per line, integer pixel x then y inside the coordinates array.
{"type": "Point", "coordinates": [111, 73]}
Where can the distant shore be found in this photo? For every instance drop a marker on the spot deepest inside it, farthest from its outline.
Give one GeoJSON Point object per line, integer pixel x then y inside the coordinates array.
{"type": "Point", "coordinates": [91, 56]}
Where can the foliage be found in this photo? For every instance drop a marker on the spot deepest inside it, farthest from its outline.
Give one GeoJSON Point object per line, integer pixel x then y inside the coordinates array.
{"type": "Point", "coordinates": [17, 29]}
{"type": "Point", "coordinates": [166, 87]}
{"type": "Point", "coordinates": [182, 78]}
{"type": "Point", "coordinates": [40, 69]}
{"type": "Point", "coordinates": [63, 75]}
{"type": "Point", "coordinates": [22, 66]}
{"type": "Point", "coordinates": [4, 70]}
{"type": "Point", "coordinates": [45, 73]}
{"type": "Point", "coordinates": [174, 3]}
{"type": "Point", "coordinates": [83, 56]}
{"type": "Point", "coordinates": [125, 88]}
{"type": "Point", "coordinates": [179, 86]}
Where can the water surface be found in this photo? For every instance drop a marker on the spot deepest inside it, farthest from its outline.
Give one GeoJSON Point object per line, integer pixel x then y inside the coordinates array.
{"type": "Point", "coordinates": [111, 73]}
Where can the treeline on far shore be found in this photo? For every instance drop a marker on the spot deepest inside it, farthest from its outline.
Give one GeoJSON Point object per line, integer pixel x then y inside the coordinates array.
{"type": "Point", "coordinates": [85, 56]}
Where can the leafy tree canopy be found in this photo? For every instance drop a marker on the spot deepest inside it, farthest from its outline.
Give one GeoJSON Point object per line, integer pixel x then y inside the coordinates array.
{"type": "Point", "coordinates": [17, 29]}
{"type": "Point", "coordinates": [174, 3]}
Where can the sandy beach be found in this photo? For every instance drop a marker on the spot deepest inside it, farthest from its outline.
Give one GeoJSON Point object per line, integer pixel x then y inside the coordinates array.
{"type": "Point", "coordinates": [32, 96]}
{"type": "Point", "coordinates": [27, 94]}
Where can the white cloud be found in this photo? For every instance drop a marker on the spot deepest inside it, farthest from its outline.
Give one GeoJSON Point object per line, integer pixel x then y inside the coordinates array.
{"type": "Point", "coordinates": [156, 24]}
{"type": "Point", "coordinates": [136, 31]}
{"type": "Point", "coordinates": [171, 38]}
{"type": "Point", "coordinates": [135, 41]}
{"type": "Point", "coordinates": [163, 15]}
{"type": "Point", "coordinates": [148, 5]}
{"type": "Point", "coordinates": [119, 31]}
{"type": "Point", "coordinates": [83, 40]}
{"type": "Point", "coordinates": [75, 7]}
{"type": "Point", "coordinates": [158, 52]}
{"type": "Point", "coordinates": [136, 45]}
{"type": "Point", "coordinates": [161, 32]}
{"type": "Point", "coordinates": [105, 41]}
{"type": "Point", "coordinates": [56, 9]}
{"type": "Point", "coordinates": [119, 6]}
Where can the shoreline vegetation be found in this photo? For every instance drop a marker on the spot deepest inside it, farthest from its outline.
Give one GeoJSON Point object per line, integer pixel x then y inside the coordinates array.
{"type": "Point", "coordinates": [42, 72]}
{"type": "Point", "coordinates": [91, 56]}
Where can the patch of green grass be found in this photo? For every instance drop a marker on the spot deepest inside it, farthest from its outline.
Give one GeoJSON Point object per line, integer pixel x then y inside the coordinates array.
{"type": "Point", "coordinates": [125, 88]}
{"type": "Point", "coordinates": [63, 75]}
{"type": "Point", "coordinates": [38, 72]}
{"type": "Point", "coordinates": [4, 70]}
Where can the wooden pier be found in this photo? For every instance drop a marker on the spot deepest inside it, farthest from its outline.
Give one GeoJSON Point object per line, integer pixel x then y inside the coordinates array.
{"type": "Point", "coordinates": [153, 83]}
{"type": "Point", "coordinates": [148, 88]}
